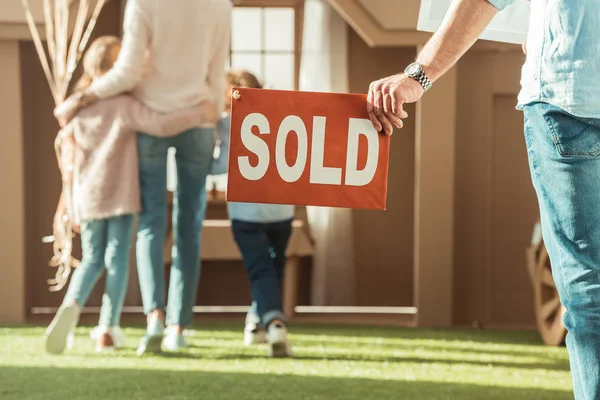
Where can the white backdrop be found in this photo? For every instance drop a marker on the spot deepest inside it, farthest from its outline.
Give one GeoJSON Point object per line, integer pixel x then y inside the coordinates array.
{"type": "Point", "coordinates": [509, 26]}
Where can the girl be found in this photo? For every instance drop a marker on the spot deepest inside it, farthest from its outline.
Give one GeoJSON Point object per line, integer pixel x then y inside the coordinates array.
{"type": "Point", "coordinates": [103, 192]}
{"type": "Point", "coordinates": [262, 232]}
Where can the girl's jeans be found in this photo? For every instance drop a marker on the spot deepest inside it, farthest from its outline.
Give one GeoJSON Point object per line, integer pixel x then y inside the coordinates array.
{"type": "Point", "coordinates": [105, 244]}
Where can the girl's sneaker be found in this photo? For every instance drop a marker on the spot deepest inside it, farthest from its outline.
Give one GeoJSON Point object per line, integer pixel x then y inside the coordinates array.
{"type": "Point", "coordinates": [105, 342]}
{"type": "Point", "coordinates": [151, 343]}
{"type": "Point", "coordinates": [278, 341]}
{"type": "Point", "coordinates": [116, 333]}
{"type": "Point", "coordinates": [253, 334]}
{"type": "Point", "coordinates": [61, 326]}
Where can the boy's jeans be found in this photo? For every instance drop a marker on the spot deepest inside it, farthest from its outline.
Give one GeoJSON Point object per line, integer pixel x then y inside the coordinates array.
{"type": "Point", "coordinates": [263, 248]}
{"type": "Point", "coordinates": [564, 158]}
{"type": "Point", "coordinates": [194, 153]}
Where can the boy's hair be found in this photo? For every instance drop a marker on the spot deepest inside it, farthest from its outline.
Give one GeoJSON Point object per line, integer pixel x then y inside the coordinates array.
{"type": "Point", "coordinates": [243, 78]}
{"type": "Point", "coordinates": [97, 60]}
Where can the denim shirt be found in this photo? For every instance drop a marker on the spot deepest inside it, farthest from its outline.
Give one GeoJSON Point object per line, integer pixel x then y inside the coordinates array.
{"type": "Point", "coordinates": [563, 55]}
{"type": "Point", "coordinates": [248, 212]}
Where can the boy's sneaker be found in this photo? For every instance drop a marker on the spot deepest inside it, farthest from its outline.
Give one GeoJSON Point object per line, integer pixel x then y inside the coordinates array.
{"type": "Point", "coordinates": [253, 334]}
{"type": "Point", "coordinates": [152, 340]}
{"type": "Point", "coordinates": [104, 341]}
{"type": "Point", "coordinates": [278, 341]}
{"type": "Point", "coordinates": [61, 326]}
{"type": "Point", "coordinates": [174, 341]}
{"type": "Point", "coordinates": [116, 333]}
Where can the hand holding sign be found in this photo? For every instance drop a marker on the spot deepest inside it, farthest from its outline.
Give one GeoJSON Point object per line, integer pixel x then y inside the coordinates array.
{"type": "Point", "coordinates": [305, 149]}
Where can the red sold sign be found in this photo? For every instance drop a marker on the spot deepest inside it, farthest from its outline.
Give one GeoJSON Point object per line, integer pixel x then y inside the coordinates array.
{"type": "Point", "coordinates": [303, 148]}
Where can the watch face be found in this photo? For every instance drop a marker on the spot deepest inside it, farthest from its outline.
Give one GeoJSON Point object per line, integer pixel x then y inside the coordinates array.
{"type": "Point", "coordinates": [413, 69]}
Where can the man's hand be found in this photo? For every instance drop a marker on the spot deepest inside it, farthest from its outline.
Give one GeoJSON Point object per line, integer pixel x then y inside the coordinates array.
{"type": "Point", "coordinates": [387, 98]}
{"type": "Point", "coordinates": [462, 25]}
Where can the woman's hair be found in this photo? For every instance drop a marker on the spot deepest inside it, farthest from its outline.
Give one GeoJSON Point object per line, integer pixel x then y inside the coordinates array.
{"type": "Point", "coordinates": [243, 78]}
{"type": "Point", "coordinates": [97, 60]}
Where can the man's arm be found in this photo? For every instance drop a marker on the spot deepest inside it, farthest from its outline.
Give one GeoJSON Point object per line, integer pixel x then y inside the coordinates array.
{"type": "Point", "coordinates": [216, 68]}
{"type": "Point", "coordinates": [460, 29]}
{"type": "Point", "coordinates": [128, 69]}
{"type": "Point", "coordinates": [462, 25]}
{"type": "Point", "coordinates": [126, 72]}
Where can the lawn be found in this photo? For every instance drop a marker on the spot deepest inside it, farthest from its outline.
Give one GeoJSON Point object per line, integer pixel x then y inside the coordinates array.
{"type": "Point", "coordinates": [330, 363]}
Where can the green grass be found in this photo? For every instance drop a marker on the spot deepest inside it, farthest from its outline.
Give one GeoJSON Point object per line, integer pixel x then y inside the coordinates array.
{"type": "Point", "coordinates": [330, 363]}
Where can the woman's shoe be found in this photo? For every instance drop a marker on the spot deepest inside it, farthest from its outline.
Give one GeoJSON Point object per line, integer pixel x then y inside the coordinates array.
{"type": "Point", "coordinates": [151, 343]}
{"type": "Point", "coordinates": [174, 340]}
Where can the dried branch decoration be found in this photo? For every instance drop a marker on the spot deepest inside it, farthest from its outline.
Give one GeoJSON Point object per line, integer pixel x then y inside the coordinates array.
{"type": "Point", "coordinates": [64, 54]}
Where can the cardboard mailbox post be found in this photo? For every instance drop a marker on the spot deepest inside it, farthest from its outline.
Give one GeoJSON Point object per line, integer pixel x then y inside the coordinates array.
{"type": "Point", "coordinates": [304, 148]}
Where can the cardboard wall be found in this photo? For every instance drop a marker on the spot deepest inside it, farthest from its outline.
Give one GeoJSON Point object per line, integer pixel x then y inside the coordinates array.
{"type": "Point", "coordinates": [384, 239]}
{"type": "Point", "coordinates": [494, 206]}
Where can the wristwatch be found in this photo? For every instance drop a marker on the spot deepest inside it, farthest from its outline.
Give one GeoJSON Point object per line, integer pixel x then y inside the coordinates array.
{"type": "Point", "coordinates": [416, 72]}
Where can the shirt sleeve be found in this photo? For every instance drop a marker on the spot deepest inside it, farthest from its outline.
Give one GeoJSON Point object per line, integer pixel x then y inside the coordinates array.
{"type": "Point", "coordinates": [216, 71]}
{"type": "Point", "coordinates": [501, 4]}
{"type": "Point", "coordinates": [129, 67]}
{"type": "Point", "coordinates": [142, 118]}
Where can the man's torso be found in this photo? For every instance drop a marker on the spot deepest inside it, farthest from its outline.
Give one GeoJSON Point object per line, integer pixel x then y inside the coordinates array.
{"type": "Point", "coordinates": [563, 56]}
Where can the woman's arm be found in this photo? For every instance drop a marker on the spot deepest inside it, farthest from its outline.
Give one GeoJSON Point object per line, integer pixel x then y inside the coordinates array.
{"type": "Point", "coordinates": [216, 71]}
{"type": "Point", "coordinates": [144, 119]}
{"type": "Point", "coordinates": [128, 69]}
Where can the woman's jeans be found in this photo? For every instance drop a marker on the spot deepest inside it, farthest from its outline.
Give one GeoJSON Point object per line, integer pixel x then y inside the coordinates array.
{"type": "Point", "coordinates": [564, 158]}
{"type": "Point", "coordinates": [194, 153]}
{"type": "Point", "coordinates": [263, 248]}
{"type": "Point", "coordinates": [105, 244]}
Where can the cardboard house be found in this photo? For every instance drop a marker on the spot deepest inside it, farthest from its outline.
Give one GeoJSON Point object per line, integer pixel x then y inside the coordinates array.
{"type": "Point", "coordinates": [449, 250]}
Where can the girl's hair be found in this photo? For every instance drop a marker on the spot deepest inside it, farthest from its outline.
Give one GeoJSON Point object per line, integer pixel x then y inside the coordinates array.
{"type": "Point", "coordinates": [243, 78]}
{"type": "Point", "coordinates": [97, 60]}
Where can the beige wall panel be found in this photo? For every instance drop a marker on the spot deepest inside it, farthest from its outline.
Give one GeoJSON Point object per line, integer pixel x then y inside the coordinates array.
{"type": "Point", "coordinates": [434, 203]}
{"type": "Point", "coordinates": [494, 203]}
{"type": "Point", "coordinates": [12, 234]}
{"type": "Point", "coordinates": [392, 14]}
{"type": "Point", "coordinates": [514, 213]}
{"type": "Point", "coordinates": [384, 239]}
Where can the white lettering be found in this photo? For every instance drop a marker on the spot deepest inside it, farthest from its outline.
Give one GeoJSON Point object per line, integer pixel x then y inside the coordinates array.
{"type": "Point", "coordinates": [294, 172]}
{"type": "Point", "coordinates": [255, 145]}
{"type": "Point", "coordinates": [318, 173]}
{"type": "Point", "coordinates": [358, 127]}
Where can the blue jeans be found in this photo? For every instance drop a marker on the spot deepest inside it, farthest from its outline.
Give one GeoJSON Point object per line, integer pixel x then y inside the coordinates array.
{"type": "Point", "coordinates": [194, 153]}
{"type": "Point", "coordinates": [564, 158]}
{"type": "Point", "coordinates": [105, 244]}
{"type": "Point", "coordinates": [263, 248]}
